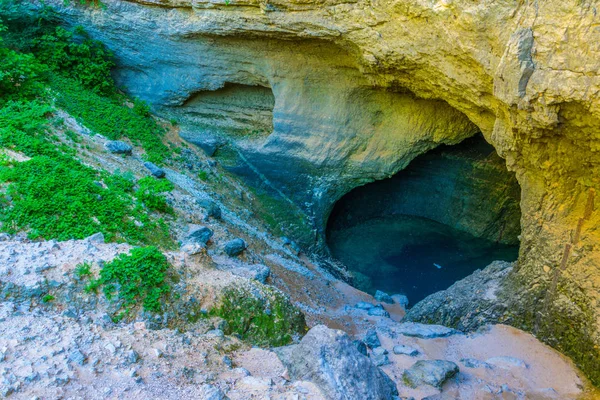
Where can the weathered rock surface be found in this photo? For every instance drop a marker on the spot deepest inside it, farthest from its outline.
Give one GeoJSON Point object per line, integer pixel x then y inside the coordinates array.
{"type": "Point", "coordinates": [469, 303]}
{"type": "Point", "coordinates": [408, 76]}
{"type": "Point", "coordinates": [329, 359]}
{"type": "Point", "coordinates": [430, 372]}
{"type": "Point", "coordinates": [234, 247]}
{"type": "Point", "coordinates": [118, 147]}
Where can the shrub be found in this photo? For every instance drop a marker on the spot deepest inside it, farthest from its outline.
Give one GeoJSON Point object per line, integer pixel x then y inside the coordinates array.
{"type": "Point", "coordinates": [138, 277]}
{"type": "Point", "coordinates": [150, 193]}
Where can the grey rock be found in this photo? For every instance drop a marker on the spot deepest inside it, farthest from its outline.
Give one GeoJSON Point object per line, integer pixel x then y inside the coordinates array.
{"type": "Point", "coordinates": [193, 248]}
{"type": "Point", "coordinates": [360, 346]}
{"type": "Point", "coordinates": [199, 235]}
{"type": "Point", "coordinates": [132, 357]}
{"type": "Point", "coordinates": [77, 357]}
{"type": "Point", "coordinates": [474, 363]}
{"type": "Point", "coordinates": [212, 209]}
{"type": "Point", "coordinates": [463, 308]}
{"type": "Point", "coordinates": [329, 359]}
{"type": "Point", "coordinates": [383, 297]}
{"type": "Point", "coordinates": [154, 169]}
{"type": "Point", "coordinates": [379, 351]}
{"type": "Point", "coordinates": [424, 331]}
{"type": "Point", "coordinates": [96, 238]}
{"type": "Point", "coordinates": [378, 312]}
{"type": "Point", "coordinates": [400, 299]}
{"type": "Point", "coordinates": [234, 247]}
{"type": "Point", "coordinates": [506, 362]}
{"type": "Point", "coordinates": [118, 147]}
{"type": "Point", "coordinates": [371, 339]}
{"type": "Point", "coordinates": [405, 350]}
{"type": "Point", "coordinates": [211, 392]}
{"type": "Point", "coordinates": [430, 372]}
{"type": "Point", "coordinates": [380, 359]}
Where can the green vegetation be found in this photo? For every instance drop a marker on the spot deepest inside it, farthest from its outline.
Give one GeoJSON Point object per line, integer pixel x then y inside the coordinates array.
{"type": "Point", "coordinates": [138, 277]}
{"type": "Point", "coordinates": [51, 194]}
{"type": "Point", "coordinates": [48, 298]}
{"type": "Point", "coordinates": [268, 320]}
{"type": "Point", "coordinates": [83, 270]}
{"type": "Point", "coordinates": [109, 117]}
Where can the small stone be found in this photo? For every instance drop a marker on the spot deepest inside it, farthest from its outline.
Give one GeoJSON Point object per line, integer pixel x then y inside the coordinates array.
{"type": "Point", "coordinates": [430, 372]}
{"type": "Point", "coordinates": [132, 357]}
{"type": "Point", "coordinates": [158, 353]}
{"type": "Point", "coordinates": [154, 169]}
{"type": "Point", "coordinates": [234, 247]}
{"type": "Point", "coordinates": [96, 238]}
{"type": "Point", "coordinates": [405, 350]}
{"type": "Point", "coordinates": [77, 357]}
{"type": "Point", "coordinates": [506, 362]}
{"type": "Point", "coordinates": [193, 248]}
{"type": "Point", "coordinates": [474, 363]}
{"type": "Point", "coordinates": [118, 147]}
{"type": "Point", "coordinates": [371, 339]}
{"type": "Point", "coordinates": [383, 297]}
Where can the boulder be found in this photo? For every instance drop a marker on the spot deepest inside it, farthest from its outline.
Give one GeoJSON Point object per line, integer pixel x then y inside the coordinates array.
{"type": "Point", "coordinates": [234, 247]}
{"type": "Point", "coordinates": [118, 147]}
{"type": "Point", "coordinates": [199, 235]}
{"type": "Point", "coordinates": [212, 209]}
{"type": "Point", "coordinates": [329, 359]}
{"type": "Point", "coordinates": [405, 350]}
{"type": "Point", "coordinates": [154, 169]}
{"type": "Point", "coordinates": [371, 339]}
{"type": "Point", "coordinates": [430, 372]}
{"type": "Point", "coordinates": [383, 297]}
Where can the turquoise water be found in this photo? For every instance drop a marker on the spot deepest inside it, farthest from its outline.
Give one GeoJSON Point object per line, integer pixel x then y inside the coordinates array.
{"type": "Point", "coordinates": [412, 255]}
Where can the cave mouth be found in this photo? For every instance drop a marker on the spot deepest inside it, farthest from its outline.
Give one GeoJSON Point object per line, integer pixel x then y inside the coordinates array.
{"type": "Point", "coordinates": [452, 211]}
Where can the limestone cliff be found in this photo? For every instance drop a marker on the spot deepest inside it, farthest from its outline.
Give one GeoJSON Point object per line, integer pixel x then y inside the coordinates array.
{"type": "Point", "coordinates": [361, 87]}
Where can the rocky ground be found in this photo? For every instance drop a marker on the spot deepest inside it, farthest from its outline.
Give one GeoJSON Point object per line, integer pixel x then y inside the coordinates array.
{"type": "Point", "coordinates": [57, 341]}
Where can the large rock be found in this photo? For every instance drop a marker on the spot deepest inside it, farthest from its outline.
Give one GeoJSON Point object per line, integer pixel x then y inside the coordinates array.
{"type": "Point", "coordinates": [234, 247]}
{"type": "Point", "coordinates": [430, 372]}
{"type": "Point", "coordinates": [330, 360]}
{"type": "Point", "coordinates": [118, 147]}
{"type": "Point", "coordinates": [469, 303]}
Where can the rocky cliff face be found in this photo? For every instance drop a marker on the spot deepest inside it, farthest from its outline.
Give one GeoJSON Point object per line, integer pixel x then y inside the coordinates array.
{"type": "Point", "coordinates": [359, 88]}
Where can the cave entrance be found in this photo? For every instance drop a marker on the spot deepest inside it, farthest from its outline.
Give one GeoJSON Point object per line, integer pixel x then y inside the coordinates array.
{"type": "Point", "coordinates": [453, 210]}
